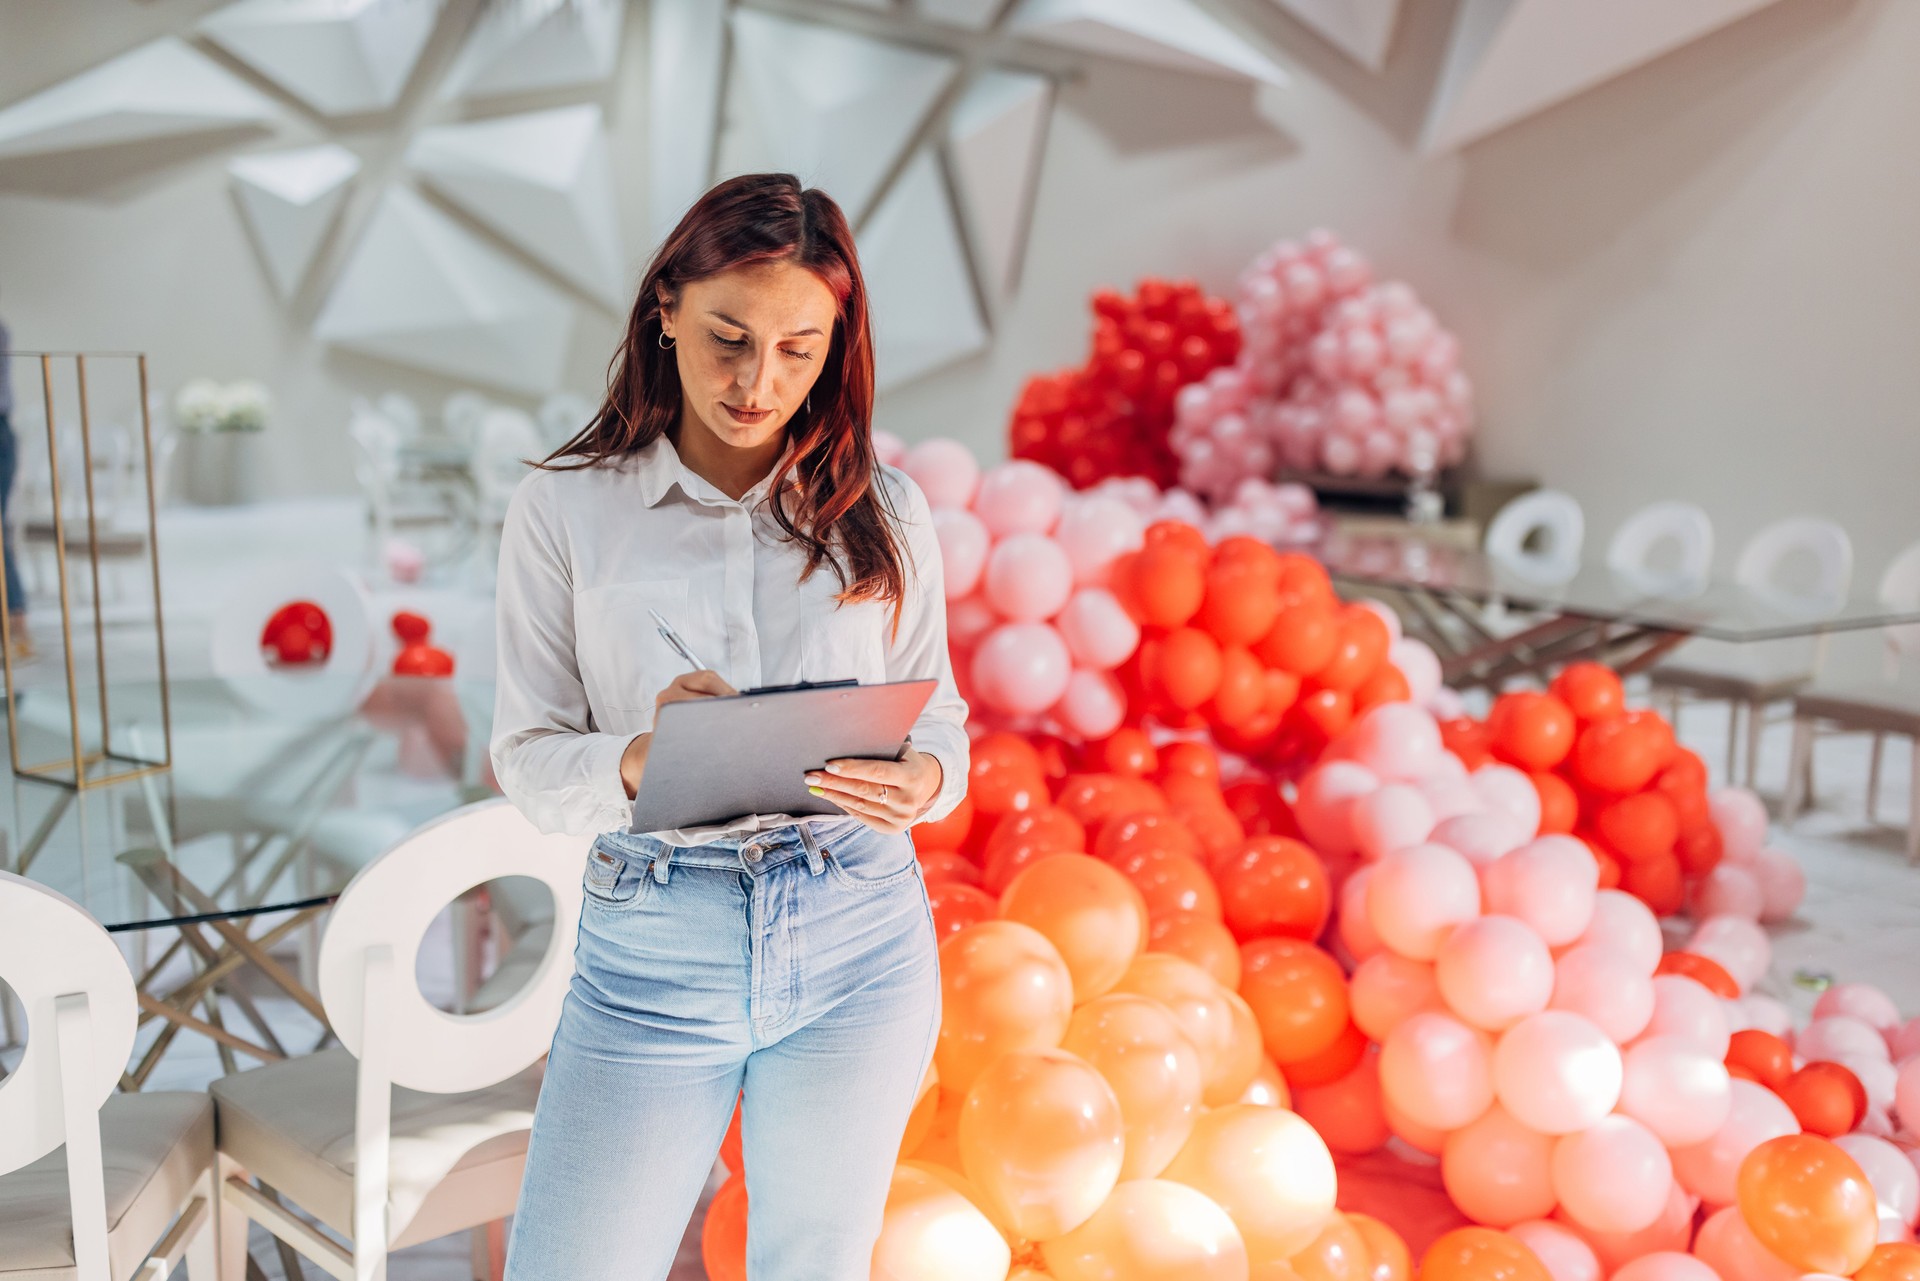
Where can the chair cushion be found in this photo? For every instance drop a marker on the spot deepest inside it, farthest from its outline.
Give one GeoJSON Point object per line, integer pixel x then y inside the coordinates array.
{"type": "Point", "coordinates": [153, 1145]}
{"type": "Point", "coordinates": [1868, 705]}
{"type": "Point", "coordinates": [290, 1124]}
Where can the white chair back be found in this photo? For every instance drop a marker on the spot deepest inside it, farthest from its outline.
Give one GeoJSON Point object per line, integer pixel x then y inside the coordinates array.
{"type": "Point", "coordinates": [1766, 554]}
{"type": "Point", "coordinates": [1900, 590]}
{"type": "Point", "coordinates": [400, 410]}
{"type": "Point", "coordinates": [1550, 518]}
{"type": "Point", "coordinates": [563, 415]}
{"type": "Point", "coordinates": [461, 414]}
{"type": "Point", "coordinates": [1631, 553]}
{"type": "Point", "coordinates": [507, 437]}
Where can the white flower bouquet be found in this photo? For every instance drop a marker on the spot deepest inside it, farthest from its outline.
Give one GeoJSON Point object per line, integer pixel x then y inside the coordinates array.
{"type": "Point", "coordinates": [203, 405]}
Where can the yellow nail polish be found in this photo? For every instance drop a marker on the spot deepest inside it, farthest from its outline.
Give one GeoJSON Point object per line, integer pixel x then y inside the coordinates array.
{"type": "Point", "coordinates": [816, 791]}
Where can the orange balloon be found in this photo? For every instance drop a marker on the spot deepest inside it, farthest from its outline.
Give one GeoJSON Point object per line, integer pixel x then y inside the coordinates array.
{"type": "Point", "coordinates": [1767, 1058]}
{"type": "Point", "coordinates": [1127, 751]}
{"type": "Point", "coordinates": [1480, 1254]}
{"type": "Point", "coordinates": [1349, 1113]}
{"type": "Point", "coordinates": [1320, 715]}
{"type": "Point", "coordinates": [1468, 739]}
{"type": "Point", "coordinates": [1145, 830]}
{"type": "Point", "coordinates": [1241, 694]}
{"type": "Point", "coordinates": [1216, 827]}
{"type": "Point", "coordinates": [732, 1144]}
{"type": "Point", "coordinates": [1592, 690]}
{"type": "Point", "coordinates": [723, 1237]}
{"type": "Point", "coordinates": [1331, 1063]}
{"type": "Point", "coordinates": [1181, 537]}
{"type": "Point", "coordinates": [1532, 730]}
{"type": "Point", "coordinates": [1361, 649]}
{"type": "Point", "coordinates": [1042, 1138]}
{"type": "Point", "coordinates": [1386, 685]}
{"type": "Point", "coordinates": [948, 865]}
{"type": "Point", "coordinates": [1275, 887]}
{"type": "Point", "coordinates": [1007, 859]}
{"type": "Point", "coordinates": [1704, 970]}
{"type": "Point", "coordinates": [1094, 798]}
{"type": "Point", "coordinates": [1199, 938]}
{"type": "Point", "coordinates": [1172, 884]}
{"type": "Point", "coordinates": [1559, 807]}
{"type": "Point", "coordinates": [1268, 1089]}
{"type": "Point", "coordinates": [1391, 1261]}
{"type": "Point", "coordinates": [1240, 603]}
{"type": "Point", "coordinates": [1640, 827]}
{"type": "Point", "coordinates": [1150, 1230]}
{"type": "Point", "coordinates": [1891, 1261]}
{"type": "Point", "coordinates": [1136, 1044]}
{"type": "Point", "coordinates": [1184, 665]}
{"type": "Point", "coordinates": [1164, 586]}
{"type": "Point", "coordinates": [1339, 1253]}
{"type": "Point", "coordinates": [1810, 1203]}
{"type": "Point", "coordinates": [925, 1109]}
{"type": "Point", "coordinates": [1298, 993]}
{"type": "Point", "coordinates": [1268, 1169]}
{"type": "Point", "coordinates": [957, 905]}
{"type": "Point", "coordinates": [940, 1145]}
{"type": "Point", "coordinates": [1619, 756]}
{"type": "Point", "coordinates": [948, 833]}
{"type": "Point", "coordinates": [1191, 758]}
{"type": "Point", "coordinates": [1004, 773]}
{"type": "Point", "coordinates": [1302, 578]}
{"type": "Point", "coordinates": [1003, 987]}
{"type": "Point", "coordinates": [1826, 1098]}
{"type": "Point", "coordinates": [1302, 639]}
{"type": "Point", "coordinates": [1199, 1005]}
{"type": "Point", "coordinates": [933, 1226]}
{"type": "Point", "coordinates": [1091, 914]}
{"type": "Point", "coordinates": [1240, 1061]}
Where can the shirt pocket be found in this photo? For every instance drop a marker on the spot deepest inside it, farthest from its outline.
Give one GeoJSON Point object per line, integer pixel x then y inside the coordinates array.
{"type": "Point", "coordinates": [624, 661]}
{"type": "Point", "coordinates": [844, 641]}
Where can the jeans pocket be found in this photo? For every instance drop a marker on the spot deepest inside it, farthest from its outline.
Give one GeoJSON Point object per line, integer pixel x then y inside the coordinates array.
{"type": "Point", "coordinates": [614, 881]}
{"type": "Point", "coordinates": [869, 860]}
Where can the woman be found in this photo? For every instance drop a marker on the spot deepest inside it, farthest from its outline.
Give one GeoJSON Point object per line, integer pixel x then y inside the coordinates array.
{"type": "Point", "coordinates": [728, 482]}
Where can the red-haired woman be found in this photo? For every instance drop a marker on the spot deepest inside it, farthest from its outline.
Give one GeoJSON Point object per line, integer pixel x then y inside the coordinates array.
{"type": "Point", "coordinates": [728, 481]}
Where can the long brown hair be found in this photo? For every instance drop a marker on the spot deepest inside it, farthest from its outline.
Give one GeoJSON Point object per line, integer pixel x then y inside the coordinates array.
{"type": "Point", "coordinates": [839, 514]}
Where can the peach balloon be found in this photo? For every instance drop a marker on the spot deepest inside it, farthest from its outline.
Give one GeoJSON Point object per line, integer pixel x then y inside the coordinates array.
{"type": "Point", "coordinates": [1497, 1170]}
{"type": "Point", "coordinates": [1418, 896]}
{"type": "Point", "coordinates": [1666, 1266]}
{"type": "Point", "coordinates": [1391, 1260]}
{"type": "Point", "coordinates": [1003, 987]}
{"type": "Point", "coordinates": [1426, 1139]}
{"type": "Point", "coordinates": [1325, 801]}
{"type": "Point", "coordinates": [1684, 1007]}
{"type": "Point", "coordinates": [1349, 1113]}
{"type": "Point", "coordinates": [1710, 1170]}
{"type": "Point", "coordinates": [1151, 1230]}
{"type": "Point", "coordinates": [1201, 939]}
{"type": "Point", "coordinates": [1623, 922]}
{"type": "Point", "coordinates": [1810, 1203]}
{"type": "Point", "coordinates": [1094, 917]}
{"type": "Point", "coordinates": [1613, 1176]}
{"type": "Point", "coordinates": [1676, 1089]}
{"type": "Point", "coordinates": [932, 1231]}
{"type": "Point", "coordinates": [1550, 883]}
{"type": "Point", "coordinates": [1389, 989]}
{"type": "Point", "coordinates": [1198, 1004]}
{"type": "Point", "coordinates": [1556, 1072]}
{"type": "Point", "coordinates": [1605, 986]}
{"type": "Point", "coordinates": [1673, 1230]}
{"type": "Point", "coordinates": [1240, 1057]}
{"type": "Point", "coordinates": [1154, 1071]}
{"type": "Point", "coordinates": [1493, 972]}
{"type": "Point", "coordinates": [1355, 930]}
{"type": "Point", "coordinates": [1042, 1137]}
{"type": "Point", "coordinates": [1560, 1250]}
{"type": "Point", "coordinates": [1339, 1253]}
{"type": "Point", "coordinates": [925, 1107]}
{"type": "Point", "coordinates": [1861, 1001]}
{"type": "Point", "coordinates": [940, 1145]}
{"type": "Point", "coordinates": [1270, 1172]}
{"type": "Point", "coordinates": [1268, 1089]}
{"type": "Point", "coordinates": [1727, 1245]}
{"type": "Point", "coordinates": [1437, 1071]}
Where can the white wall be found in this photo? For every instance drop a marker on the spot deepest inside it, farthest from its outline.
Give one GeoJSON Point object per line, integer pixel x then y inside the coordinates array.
{"type": "Point", "coordinates": [1701, 280]}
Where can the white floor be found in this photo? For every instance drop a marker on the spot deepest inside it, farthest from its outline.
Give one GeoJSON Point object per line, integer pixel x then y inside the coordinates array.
{"type": "Point", "coordinates": [1862, 897]}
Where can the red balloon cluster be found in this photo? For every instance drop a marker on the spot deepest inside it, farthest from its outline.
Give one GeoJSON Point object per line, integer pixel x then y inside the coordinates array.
{"type": "Point", "coordinates": [298, 632]}
{"type": "Point", "coordinates": [1110, 416]}
{"type": "Point", "coordinates": [416, 656]}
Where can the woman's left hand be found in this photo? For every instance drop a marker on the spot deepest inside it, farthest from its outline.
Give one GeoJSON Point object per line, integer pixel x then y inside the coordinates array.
{"type": "Point", "coordinates": [885, 795]}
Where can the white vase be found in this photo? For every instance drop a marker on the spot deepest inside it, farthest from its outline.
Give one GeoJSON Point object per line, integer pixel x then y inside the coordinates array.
{"type": "Point", "coordinates": [218, 468]}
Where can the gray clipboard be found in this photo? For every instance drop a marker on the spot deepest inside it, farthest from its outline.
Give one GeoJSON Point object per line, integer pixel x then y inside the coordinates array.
{"type": "Point", "coordinates": [715, 759]}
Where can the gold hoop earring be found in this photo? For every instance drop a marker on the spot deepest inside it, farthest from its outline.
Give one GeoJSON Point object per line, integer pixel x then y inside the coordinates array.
{"type": "Point", "coordinates": [665, 342]}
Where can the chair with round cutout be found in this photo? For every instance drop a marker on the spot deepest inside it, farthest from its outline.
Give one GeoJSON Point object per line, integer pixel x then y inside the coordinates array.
{"type": "Point", "coordinates": [1538, 536]}
{"type": "Point", "coordinates": [1634, 554]}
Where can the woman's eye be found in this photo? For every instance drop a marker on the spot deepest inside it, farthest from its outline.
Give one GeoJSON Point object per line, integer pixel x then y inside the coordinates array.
{"type": "Point", "coordinates": [731, 344]}
{"type": "Point", "coordinates": [801, 355]}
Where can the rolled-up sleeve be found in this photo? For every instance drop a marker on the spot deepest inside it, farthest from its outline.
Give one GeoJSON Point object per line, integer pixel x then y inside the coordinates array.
{"type": "Point", "coordinates": [562, 772]}
{"type": "Point", "coordinates": [918, 650]}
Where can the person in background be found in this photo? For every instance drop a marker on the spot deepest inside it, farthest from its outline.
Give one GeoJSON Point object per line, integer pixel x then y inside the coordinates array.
{"type": "Point", "coordinates": [21, 642]}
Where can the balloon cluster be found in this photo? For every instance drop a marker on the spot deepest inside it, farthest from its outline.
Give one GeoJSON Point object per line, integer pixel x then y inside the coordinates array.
{"type": "Point", "coordinates": [299, 632]}
{"type": "Point", "coordinates": [1336, 373]}
{"type": "Point", "coordinates": [1110, 416]}
{"type": "Point", "coordinates": [1280, 514]}
{"type": "Point", "coordinates": [417, 657]}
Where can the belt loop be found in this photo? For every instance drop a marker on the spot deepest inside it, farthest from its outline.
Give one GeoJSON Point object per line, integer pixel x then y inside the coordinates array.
{"type": "Point", "coordinates": [659, 865]}
{"type": "Point", "coordinates": [816, 864]}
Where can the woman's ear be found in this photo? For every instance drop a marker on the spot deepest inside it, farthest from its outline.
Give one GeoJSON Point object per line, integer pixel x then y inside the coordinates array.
{"type": "Point", "coordinates": [668, 304]}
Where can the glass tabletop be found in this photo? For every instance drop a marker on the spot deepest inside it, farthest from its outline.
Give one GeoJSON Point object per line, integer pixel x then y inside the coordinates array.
{"type": "Point", "coordinates": [1717, 608]}
{"type": "Point", "coordinates": [260, 813]}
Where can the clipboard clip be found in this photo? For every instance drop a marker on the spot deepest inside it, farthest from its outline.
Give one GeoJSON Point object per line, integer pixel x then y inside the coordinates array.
{"type": "Point", "coordinates": [782, 689]}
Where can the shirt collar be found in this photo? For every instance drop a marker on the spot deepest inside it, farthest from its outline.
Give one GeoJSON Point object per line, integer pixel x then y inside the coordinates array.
{"type": "Point", "coordinates": [660, 470]}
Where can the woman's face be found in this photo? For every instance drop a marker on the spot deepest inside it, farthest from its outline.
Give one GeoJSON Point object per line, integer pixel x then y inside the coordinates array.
{"type": "Point", "coordinates": [749, 344]}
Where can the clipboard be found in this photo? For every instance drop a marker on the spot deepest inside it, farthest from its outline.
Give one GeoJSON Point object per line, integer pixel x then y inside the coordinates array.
{"type": "Point", "coordinates": [716, 759]}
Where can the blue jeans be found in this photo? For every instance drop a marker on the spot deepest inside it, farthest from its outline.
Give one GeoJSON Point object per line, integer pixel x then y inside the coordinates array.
{"type": "Point", "coordinates": [9, 461]}
{"type": "Point", "coordinates": [800, 963]}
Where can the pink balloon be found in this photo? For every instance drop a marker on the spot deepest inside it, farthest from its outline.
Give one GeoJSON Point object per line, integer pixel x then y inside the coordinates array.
{"type": "Point", "coordinates": [1612, 1176]}
{"type": "Point", "coordinates": [1710, 1170]}
{"type": "Point", "coordinates": [1742, 820]}
{"type": "Point", "coordinates": [1606, 987]}
{"type": "Point", "coordinates": [1766, 1014]}
{"type": "Point", "coordinates": [888, 449]}
{"type": "Point", "coordinates": [1504, 788]}
{"type": "Point", "coordinates": [1550, 883]}
{"type": "Point", "coordinates": [1836, 1036]}
{"type": "Point", "coordinates": [1419, 895]}
{"type": "Point", "coordinates": [1905, 1043]}
{"type": "Point", "coordinates": [1019, 497]}
{"type": "Point", "coordinates": [1561, 1250]}
{"type": "Point", "coordinates": [1906, 1095]}
{"type": "Point", "coordinates": [1556, 1072]}
{"type": "Point", "coordinates": [1740, 946]}
{"type": "Point", "coordinates": [1862, 1001]}
{"type": "Point", "coordinates": [1392, 818]}
{"type": "Point", "coordinates": [1387, 990]}
{"type": "Point", "coordinates": [1673, 1230]}
{"type": "Point", "coordinates": [1896, 1184]}
{"type": "Point", "coordinates": [1727, 1245]}
{"type": "Point", "coordinates": [1021, 668]}
{"type": "Point", "coordinates": [1493, 972]}
{"type": "Point", "coordinates": [1094, 530]}
{"type": "Point", "coordinates": [964, 543]}
{"type": "Point", "coordinates": [1684, 1007]}
{"type": "Point", "coordinates": [1434, 1069]}
{"type": "Point", "coordinates": [1419, 665]}
{"type": "Point", "coordinates": [1668, 1265]}
{"type": "Point", "coordinates": [945, 470]}
{"type": "Point", "coordinates": [1028, 577]}
{"type": "Point", "coordinates": [1099, 632]}
{"type": "Point", "coordinates": [1728, 890]}
{"type": "Point", "coordinates": [1481, 838]}
{"type": "Point", "coordinates": [1093, 705]}
{"type": "Point", "coordinates": [1782, 884]}
{"type": "Point", "coordinates": [1879, 1078]}
{"type": "Point", "coordinates": [1676, 1089]}
{"type": "Point", "coordinates": [1356, 931]}
{"type": "Point", "coordinates": [1323, 805]}
{"type": "Point", "coordinates": [1498, 1171]}
{"type": "Point", "coordinates": [1624, 923]}
{"type": "Point", "coordinates": [1397, 741]}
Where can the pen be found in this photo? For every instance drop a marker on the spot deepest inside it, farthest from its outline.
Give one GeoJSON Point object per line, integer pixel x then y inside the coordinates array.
{"type": "Point", "coordinates": [679, 646]}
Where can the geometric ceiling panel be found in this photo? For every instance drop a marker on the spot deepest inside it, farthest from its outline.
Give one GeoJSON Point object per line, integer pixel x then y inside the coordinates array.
{"type": "Point", "coordinates": [975, 14]}
{"type": "Point", "coordinates": [340, 57]}
{"type": "Point", "coordinates": [422, 290]}
{"type": "Point", "coordinates": [686, 44]}
{"type": "Point", "coordinates": [538, 44]}
{"type": "Point", "coordinates": [994, 141]}
{"type": "Point", "coordinates": [1167, 33]}
{"type": "Point", "coordinates": [1511, 58]}
{"type": "Point", "coordinates": [543, 181]}
{"type": "Point", "coordinates": [924, 312]}
{"type": "Point", "coordinates": [1362, 29]}
{"type": "Point", "coordinates": [832, 106]}
{"type": "Point", "coordinates": [290, 198]}
{"type": "Point", "coordinates": [156, 90]}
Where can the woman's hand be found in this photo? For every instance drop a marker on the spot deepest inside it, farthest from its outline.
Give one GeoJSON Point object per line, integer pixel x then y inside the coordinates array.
{"type": "Point", "coordinates": [688, 685]}
{"type": "Point", "coordinates": [885, 795]}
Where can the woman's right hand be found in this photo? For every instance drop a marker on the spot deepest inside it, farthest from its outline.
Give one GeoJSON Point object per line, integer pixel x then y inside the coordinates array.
{"type": "Point", "coordinates": [686, 686]}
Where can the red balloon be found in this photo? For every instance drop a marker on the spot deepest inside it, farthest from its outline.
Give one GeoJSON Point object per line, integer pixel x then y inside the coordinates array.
{"type": "Point", "coordinates": [1298, 994]}
{"type": "Point", "coordinates": [1386, 685]}
{"type": "Point", "coordinates": [1362, 647]}
{"type": "Point", "coordinates": [1331, 1063]}
{"type": "Point", "coordinates": [1274, 887]}
{"type": "Point", "coordinates": [1302, 640]}
{"type": "Point", "coordinates": [1185, 666]}
{"type": "Point", "coordinates": [1171, 884]}
{"type": "Point", "coordinates": [1021, 839]}
{"type": "Point", "coordinates": [1261, 809]}
{"type": "Point", "coordinates": [1127, 751]}
{"type": "Point", "coordinates": [1242, 600]}
{"type": "Point", "coordinates": [1699, 849]}
{"type": "Point", "coordinates": [1190, 758]}
{"type": "Point", "coordinates": [1532, 730]}
{"type": "Point", "coordinates": [1704, 970]}
{"type": "Point", "coordinates": [1164, 586]}
{"type": "Point", "coordinates": [948, 833]}
{"type": "Point", "coordinates": [1657, 883]}
{"type": "Point", "coordinates": [1005, 773]}
{"type": "Point", "coordinates": [723, 1237]}
{"type": "Point", "coordinates": [1468, 739]}
{"type": "Point", "coordinates": [1620, 755]}
{"type": "Point", "coordinates": [948, 865]}
{"type": "Point", "coordinates": [1559, 807]}
{"type": "Point", "coordinates": [1591, 690]}
{"type": "Point", "coordinates": [957, 905]}
{"type": "Point", "coordinates": [1639, 827]}
{"type": "Point", "coordinates": [1767, 1059]}
{"type": "Point", "coordinates": [1125, 834]}
{"type": "Point", "coordinates": [1826, 1098]}
{"type": "Point", "coordinates": [1241, 693]}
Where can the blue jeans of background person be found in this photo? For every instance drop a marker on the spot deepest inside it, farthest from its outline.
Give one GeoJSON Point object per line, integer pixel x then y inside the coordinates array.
{"type": "Point", "coordinates": [801, 963]}
{"type": "Point", "coordinates": [9, 458]}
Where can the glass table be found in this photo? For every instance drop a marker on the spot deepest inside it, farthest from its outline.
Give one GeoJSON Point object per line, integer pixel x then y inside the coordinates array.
{"type": "Point", "coordinates": [1576, 609]}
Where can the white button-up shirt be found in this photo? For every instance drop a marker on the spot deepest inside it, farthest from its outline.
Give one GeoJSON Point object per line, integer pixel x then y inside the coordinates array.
{"type": "Point", "coordinates": [585, 553]}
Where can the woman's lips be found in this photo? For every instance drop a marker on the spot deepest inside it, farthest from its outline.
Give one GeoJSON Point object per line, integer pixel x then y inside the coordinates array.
{"type": "Point", "coordinates": [744, 416]}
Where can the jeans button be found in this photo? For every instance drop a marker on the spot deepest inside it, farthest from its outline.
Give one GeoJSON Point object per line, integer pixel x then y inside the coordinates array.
{"type": "Point", "coordinates": [753, 853]}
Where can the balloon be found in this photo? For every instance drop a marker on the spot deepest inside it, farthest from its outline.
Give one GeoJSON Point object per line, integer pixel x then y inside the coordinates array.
{"type": "Point", "coordinates": [1171, 883]}
{"type": "Point", "coordinates": [1480, 1254]}
{"type": "Point", "coordinates": [1437, 1071]}
{"type": "Point", "coordinates": [1742, 820]}
{"type": "Point", "coordinates": [1153, 1230]}
{"type": "Point", "coordinates": [1667, 1265]}
{"type": "Point", "coordinates": [1349, 1113]}
{"type": "Point", "coordinates": [1497, 1170]}
{"type": "Point", "coordinates": [1808, 1202]}
{"type": "Point", "coordinates": [1728, 1246]}
{"type": "Point", "coordinates": [1603, 985]}
{"type": "Point", "coordinates": [1622, 921]}
{"type": "Point", "coordinates": [723, 1234]}
{"type": "Point", "coordinates": [1676, 1089]}
{"type": "Point", "coordinates": [1612, 1176]}
{"type": "Point", "coordinates": [1895, 1181]}
{"type": "Point", "coordinates": [1740, 946]}
{"type": "Point", "coordinates": [1351, 923]}
{"type": "Point", "coordinates": [964, 543]}
{"type": "Point", "coordinates": [1862, 1001]}
{"type": "Point", "coordinates": [1550, 883]}
{"type": "Point", "coordinates": [1509, 791]}
{"type": "Point", "coordinates": [933, 1230]}
{"type": "Point", "coordinates": [1398, 741]}
{"type": "Point", "coordinates": [1003, 987]}
{"type": "Point", "coordinates": [1906, 1096]}
{"type": "Point", "coordinates": [1097, 629]}
{"type": "Point", "coordinates": [1592, 691]}
{"type": "Point", "coordinates": [1202, 1008]}
{"type": "Point", "coordinates": [1018, 497]}
{"type": "Point", "coordinates": [1324, 804]}
{"type": "Point", "coordinates": [1709, 1169]}
{"type": "Point", "coordinates": [1274, 887]}
{"type": "Point", "coordinates": [1782, 884]}
{"type": "Point", "coordinates": [1199, 939]}
{"type": "Point", "coordinates": [1387, 990]}
{"type": "Point", "coordinates": [1388, 1251]}
{"type": "Point", "coordinates": [1161, 584]}
{"type": "Point", "coordinates": [1763, 1056]}
{"type": "Point", "coordinates": [1093, 916]}
{"type": "Point", "coordinates": [1093, 704]}
{"type": "Point", "coordinates": [945, 470]}
{"type": "Point", "coordinates": [1493, 972]}
{"type": "Point", "coordinates": [1483, 838]}
{"type": "Point", "coordinates": [957, 905]}
{"type": "Point", "coordinates": [1837, 1035]}
{"type": "Point", "coordinates": [1394, 817]}
{"type": "Point", "coordinates": [1532, 730]}
{"type": "Point", "coordinates": [1826, 1098]}
{"type": "Point", "coordinates": [1682, 1007]}
{"type": "Point", "coordinates": [1021, 668]}
{"type": "Point", "coordinates": [1729, 890]}
{"type": "Point", "coordinates": [1153, 1068]}
{"type": "Point", "coordinates": [1094, 531]}
{"type": "Point", "coordinates": [1418, 896]}
{"type": "Point", "coordinates": [1893, 1261]}
{"type": "Point", "coordinates": [1298, 994]}
{"type": "Point", "coordinates": [1267, 1169]}
{"type": "Point", "coordinates": [1339, 1253]}
{"type": "Point", "coordinates": [1556, 1072]}
{"type": "Point", "coordinates": [1705, 971]}
{"type": "Point", "coordinates": [1673, 1230]}
{"type": "Point", "coordinates": [1564, 1254]}
{"type": "Point", "coordinates": [1268, 1089]}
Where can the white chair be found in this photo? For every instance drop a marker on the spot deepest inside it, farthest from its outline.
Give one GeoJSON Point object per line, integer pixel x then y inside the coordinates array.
{"type": "Point", "coordinates": [1752, 676]}
{"type": "Point", "coordinates": [1883, 707]}
{"type": "Point", "coordinates": [562, 416]}
{"type": "Point", "coordinates": [1538, 536]}
{"type": "Point", "coordinates": [94, 1185]}
{"type": "Point", "coordinates": [1634, 555]}
{"type": "Point", "coordinates": [507, 438]}
{"type": "Point", "coordinates": [416, 1125]}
